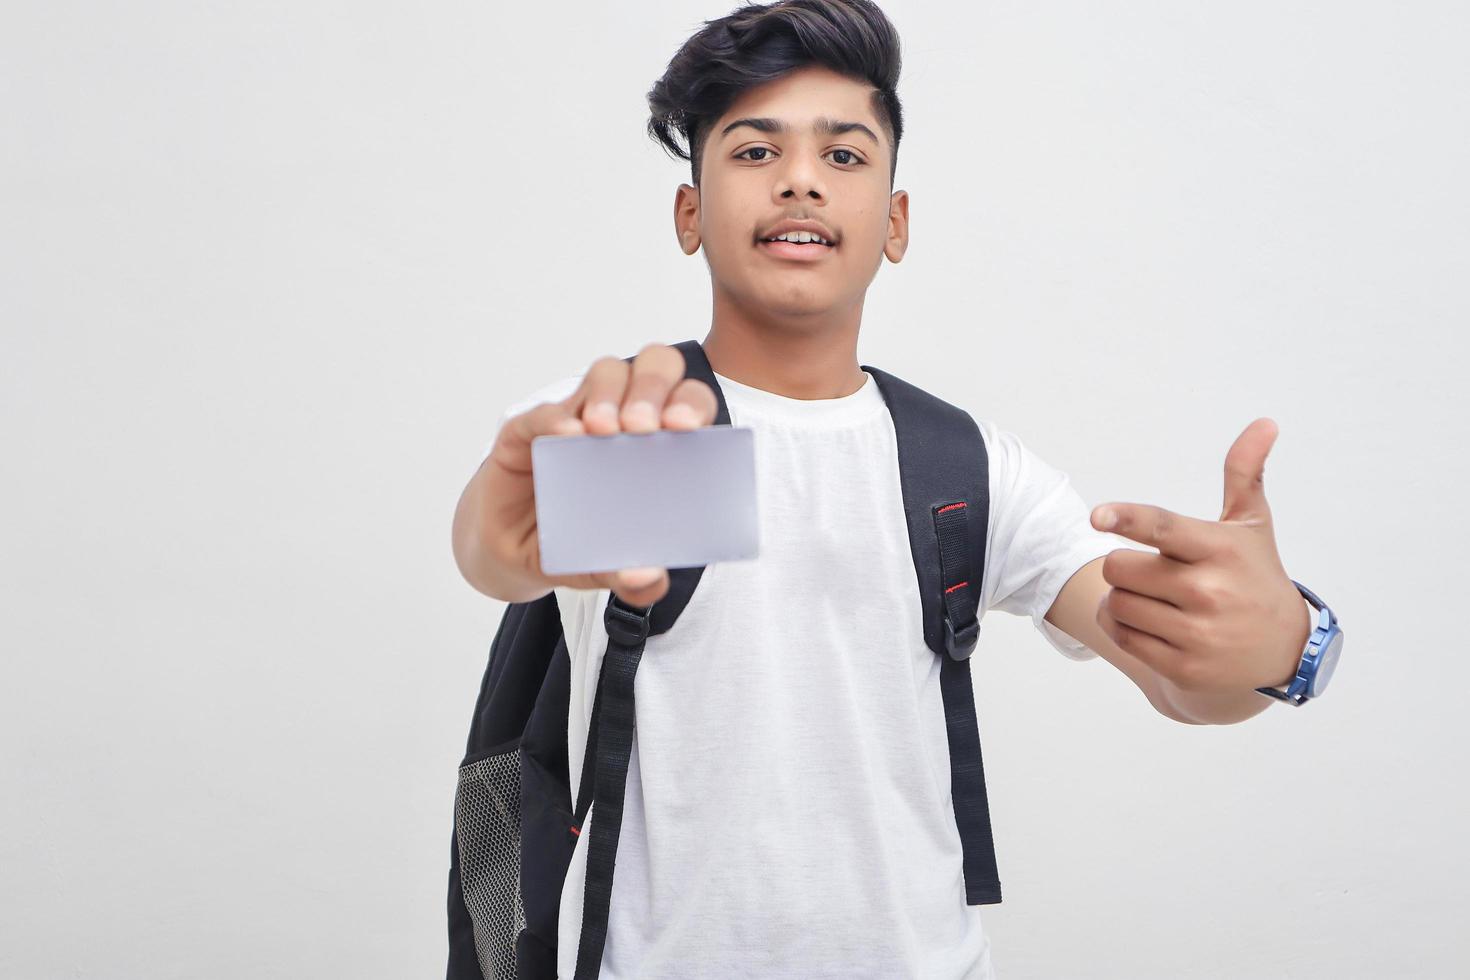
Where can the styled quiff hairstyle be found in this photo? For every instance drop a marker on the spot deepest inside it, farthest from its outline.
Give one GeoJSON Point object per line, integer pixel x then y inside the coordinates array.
{"type": "Point", "coordinates": [758, 43]}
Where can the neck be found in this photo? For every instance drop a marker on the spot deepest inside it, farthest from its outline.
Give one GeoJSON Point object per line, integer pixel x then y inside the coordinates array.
{"type": "Point", "coordinates": [806, 356]}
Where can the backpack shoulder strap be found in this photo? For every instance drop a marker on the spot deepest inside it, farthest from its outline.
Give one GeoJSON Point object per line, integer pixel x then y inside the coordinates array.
{"type": "Point", "coordinates": [683, 581]}
{"type": "Point", "coordinates": [610, 734]}
{"type": "Point", "coordinates": [944, 473]}
{"type": "Point", "coordinates": [945, 477]}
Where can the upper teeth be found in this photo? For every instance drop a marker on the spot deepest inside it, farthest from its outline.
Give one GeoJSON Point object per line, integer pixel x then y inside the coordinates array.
{"type": "Point", "coordinates": [799, 236]}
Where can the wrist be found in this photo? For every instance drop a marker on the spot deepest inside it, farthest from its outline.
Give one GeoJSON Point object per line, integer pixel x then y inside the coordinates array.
{"type": "Point", "coordinates": [1309, 619]}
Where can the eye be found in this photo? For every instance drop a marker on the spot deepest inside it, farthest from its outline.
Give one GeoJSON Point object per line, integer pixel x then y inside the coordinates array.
{"type": "Point", "coordinates": [853, 158]}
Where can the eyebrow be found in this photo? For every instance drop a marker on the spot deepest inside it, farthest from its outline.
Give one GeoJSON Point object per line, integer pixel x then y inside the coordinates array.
{"type": "Point", "coordinates": [823, 126]}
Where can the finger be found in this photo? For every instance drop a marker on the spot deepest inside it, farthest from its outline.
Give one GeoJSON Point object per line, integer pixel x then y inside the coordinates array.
{"type": "Point", "coordinates": [1184, 538]}
{"type": "Point", "coordinates": [691, 404]}
{"type": "Point", "coordinates": [1158, 654]}
{"type": "Point", "coordinates": [512, 448]}
{"type": "Point", "coordinates": [599, 399]}
{"type": "Point", "coordinates": [1157, 576]}
{"type": "Point", "coordinates": [637, 586]}
{"type": "Point", "coordinates": [1158, 619]}
{"type": "Point", "coordinates": [656, 370]}
{"type": "Point", "coordinates": [1245, 474]}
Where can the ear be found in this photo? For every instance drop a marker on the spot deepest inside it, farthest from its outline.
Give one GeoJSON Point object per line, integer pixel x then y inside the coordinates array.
{"type": "Point", "coordinates": [898, 226]}
{"type": "Point", "coordinates": [686, 218]}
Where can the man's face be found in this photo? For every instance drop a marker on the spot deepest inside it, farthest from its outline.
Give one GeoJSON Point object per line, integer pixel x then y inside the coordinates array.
{"type": "Point", "coordinates": [752, 179]}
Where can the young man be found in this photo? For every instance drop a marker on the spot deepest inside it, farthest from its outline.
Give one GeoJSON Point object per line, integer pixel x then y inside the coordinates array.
{"type": "Point", "coordinates": [835, 850]}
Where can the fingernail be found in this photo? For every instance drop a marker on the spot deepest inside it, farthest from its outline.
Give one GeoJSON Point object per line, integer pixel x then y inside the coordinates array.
{"type": "Point", "coordinates": [1107, 520]}
{"type": "Point", "coordinates": [606, 410]}
{"type": "Point", "coordinates": [643, 413]}
{"type": "Point", "coordinates": [683, 414]}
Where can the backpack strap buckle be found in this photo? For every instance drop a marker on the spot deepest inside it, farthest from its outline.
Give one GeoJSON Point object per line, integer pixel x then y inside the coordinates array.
{"type": "Point", "coordinates": [626, 625]}
{"type": "Point", "coordinates": [960, 645]}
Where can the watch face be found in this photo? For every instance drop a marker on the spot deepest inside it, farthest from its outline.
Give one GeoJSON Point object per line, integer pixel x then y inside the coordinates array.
{"type": "Point", "coordinates": [1327, 664]}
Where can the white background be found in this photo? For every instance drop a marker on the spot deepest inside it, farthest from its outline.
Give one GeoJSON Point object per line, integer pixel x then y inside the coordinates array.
{"type": "Point", "coordinates": [269, 272]}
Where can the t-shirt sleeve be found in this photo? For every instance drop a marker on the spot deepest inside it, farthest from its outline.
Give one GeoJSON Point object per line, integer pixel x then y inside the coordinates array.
{"type": "Point", "coordinates": [1040, 534]}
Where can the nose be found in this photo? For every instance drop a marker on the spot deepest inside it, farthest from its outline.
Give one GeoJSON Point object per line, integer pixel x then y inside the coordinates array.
{"type": "Point", "coordinates": [789, 193]}
{"type": "Point", "coordinates": [799, 178]}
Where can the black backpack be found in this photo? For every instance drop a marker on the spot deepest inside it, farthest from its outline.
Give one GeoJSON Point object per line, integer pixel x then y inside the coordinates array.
{"type": "Point", "coordinates": [514, 821]}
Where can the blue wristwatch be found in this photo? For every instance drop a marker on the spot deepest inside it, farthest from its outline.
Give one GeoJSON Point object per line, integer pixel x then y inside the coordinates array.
{"type": "Point", "coordinates": [1319, 659]}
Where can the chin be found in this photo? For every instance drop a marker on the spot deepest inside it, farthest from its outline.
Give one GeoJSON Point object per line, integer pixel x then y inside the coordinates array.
{"type": "Point", "coordinates": [762, 295]}
{"type": "Point", "coordinates": [800, 312]}
{"type": "Point", "coordinates": [786, 300]}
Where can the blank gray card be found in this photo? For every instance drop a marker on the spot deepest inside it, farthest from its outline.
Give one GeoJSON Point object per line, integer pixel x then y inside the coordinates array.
{"type": "Point", "coordinates": [668, 498]}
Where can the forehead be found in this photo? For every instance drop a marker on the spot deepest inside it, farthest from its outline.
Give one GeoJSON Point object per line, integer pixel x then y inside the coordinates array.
{"type": "Point", "coordinates": [801, 96]}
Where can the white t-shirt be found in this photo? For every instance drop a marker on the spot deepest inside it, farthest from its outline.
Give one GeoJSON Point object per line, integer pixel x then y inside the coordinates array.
{"type": "Point", "coordinates": [788, 809]}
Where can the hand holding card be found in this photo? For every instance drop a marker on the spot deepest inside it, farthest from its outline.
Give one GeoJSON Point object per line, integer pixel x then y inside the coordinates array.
{"type": "Point", "coordinates": [646, 396]}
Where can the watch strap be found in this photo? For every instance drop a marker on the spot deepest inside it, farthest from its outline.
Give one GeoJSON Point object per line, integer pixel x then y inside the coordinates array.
{"type": "Point", "coordinates": [1314, 606]}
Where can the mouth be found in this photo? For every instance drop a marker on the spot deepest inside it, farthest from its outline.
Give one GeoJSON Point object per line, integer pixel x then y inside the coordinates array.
{"type": "Point", "coordinates": [795, 251]}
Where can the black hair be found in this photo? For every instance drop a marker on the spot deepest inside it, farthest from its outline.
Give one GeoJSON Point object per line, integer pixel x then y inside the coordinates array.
{"type": "Point", "coordinates": [757, 43]}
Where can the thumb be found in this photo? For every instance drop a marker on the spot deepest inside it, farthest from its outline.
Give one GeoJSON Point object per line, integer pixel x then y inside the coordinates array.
{"type": "Point", "coordinates": [1245, 472]}
{"type": "Point", "coordinates": [639, 586]}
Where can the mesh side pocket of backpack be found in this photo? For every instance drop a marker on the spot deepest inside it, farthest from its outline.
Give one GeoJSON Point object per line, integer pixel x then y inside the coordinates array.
{"type": "Point", "coordinates": [487, 815]}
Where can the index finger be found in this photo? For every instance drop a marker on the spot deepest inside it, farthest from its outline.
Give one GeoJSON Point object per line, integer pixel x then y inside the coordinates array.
{"type": "Point", "coordinates": [512, 448]}
{"type": "Point", "coordinates": [1184, 538]}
